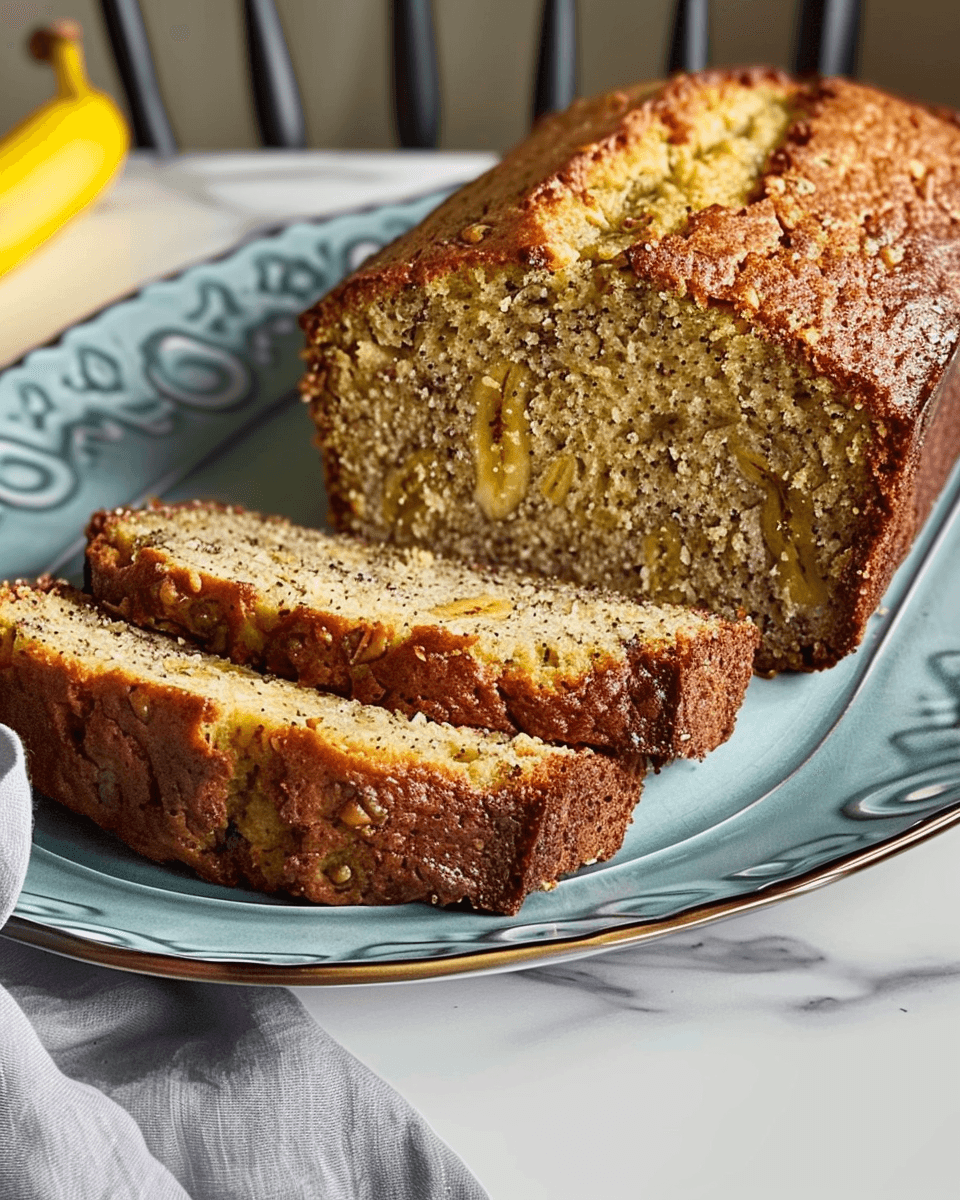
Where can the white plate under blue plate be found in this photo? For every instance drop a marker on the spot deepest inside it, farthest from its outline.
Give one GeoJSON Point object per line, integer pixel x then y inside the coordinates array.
{"type": "Point", "coordinates": [186, 390]}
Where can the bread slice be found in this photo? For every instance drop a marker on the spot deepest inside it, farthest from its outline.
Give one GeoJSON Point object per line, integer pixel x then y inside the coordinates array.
{"type": "Point", "coordinates": [689, 341]}
{"type": "Point", "coordinates": [416, 633]}
{"type": "Point", "coordinates": [251, 779]}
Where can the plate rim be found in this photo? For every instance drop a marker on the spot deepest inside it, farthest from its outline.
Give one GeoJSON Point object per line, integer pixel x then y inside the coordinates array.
{"type": "Point", "coordinates": [630, 931]}
{"type": "Point", "coordinates": [477, 962]}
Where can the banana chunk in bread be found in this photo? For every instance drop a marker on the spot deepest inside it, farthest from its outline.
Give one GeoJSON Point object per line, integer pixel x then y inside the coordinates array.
{"type": "Point", "coordinates": [250, 779]}
{"type": "Point", "coordinates": [416, 633]}
{"type": "Point", "coordinates": [688, 341]}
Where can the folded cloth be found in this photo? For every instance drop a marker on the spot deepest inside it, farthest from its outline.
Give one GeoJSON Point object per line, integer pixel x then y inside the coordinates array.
{"type": "Point", "coordinates": [121, 1086]}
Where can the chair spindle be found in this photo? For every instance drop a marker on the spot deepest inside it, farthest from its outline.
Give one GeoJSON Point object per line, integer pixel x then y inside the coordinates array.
{"type": "Point", "coordinates": [275, 92]}
{"type": "Point", "coordinates": [556, 82]}
{"type": "Point", "coordinates": [416, 79]}
{"type": "Point", "coordinates": [828, 37]}
{"type": "Point", "coordinates": [690, 40]}
{"type": "Point", "coordinates": [131, 50]}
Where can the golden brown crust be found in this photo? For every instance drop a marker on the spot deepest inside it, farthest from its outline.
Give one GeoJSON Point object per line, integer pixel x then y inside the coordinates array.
{"type": "Point", "coordinates": [523, 211]}
{"type": "Point", "coordinates": [673, 700]}
{"type": "Point", "coordinates": [848, 253]}
{"type": "Point", "coordinates": [680, 702]}
{"type": "Point", "coordinates": [938, 442]}
{"type": "Point", "coordinates": [344, 828]}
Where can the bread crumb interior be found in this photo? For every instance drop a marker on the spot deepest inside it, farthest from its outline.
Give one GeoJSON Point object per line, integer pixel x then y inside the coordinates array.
{"type": "Point", "coordinates": [670, 453]}
{"type": "Point", "coordinates": [246, 708]}
{"type": "Point", "coordinates": [550, 632]}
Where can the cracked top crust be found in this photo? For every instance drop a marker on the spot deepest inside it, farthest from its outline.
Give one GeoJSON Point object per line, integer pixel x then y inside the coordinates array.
{"type": "Point", "coordinates": [824, 213]}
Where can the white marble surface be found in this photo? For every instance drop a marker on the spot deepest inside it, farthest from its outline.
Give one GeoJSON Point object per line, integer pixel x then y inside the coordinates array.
{"type": "Point", "coordinates": [160, 217]}
{"type": "Point", "coordinates": [809, 1049]}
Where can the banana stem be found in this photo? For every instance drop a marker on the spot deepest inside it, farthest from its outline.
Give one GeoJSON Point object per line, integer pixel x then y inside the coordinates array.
{"type": "Point", "coordinates": [60, 45]}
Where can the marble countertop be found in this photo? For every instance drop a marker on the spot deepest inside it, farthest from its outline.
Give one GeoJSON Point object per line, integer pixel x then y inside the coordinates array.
{"type": "Point", "coordinates": [804, 1049]}
{"type": "Point", "coordinates": [163, 216]}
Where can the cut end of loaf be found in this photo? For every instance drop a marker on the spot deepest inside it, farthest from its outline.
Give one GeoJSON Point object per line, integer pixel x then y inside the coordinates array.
{"type": "Point", "coordinates": [581, 426]}
{"type": "Point", "coordinates": [691, 357]}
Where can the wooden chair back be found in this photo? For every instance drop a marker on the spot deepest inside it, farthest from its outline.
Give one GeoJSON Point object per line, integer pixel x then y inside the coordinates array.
{"type": "Point", "coordinates": [827, 42]}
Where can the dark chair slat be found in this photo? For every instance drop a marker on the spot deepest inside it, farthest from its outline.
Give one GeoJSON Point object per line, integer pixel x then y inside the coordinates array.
{"type": "Point", "coordinates": [828, 37]}
{"type": "Point", "coordinates": [275, 93]}
{"type": "Point", "coordinates": [690, 40]}
{"type": "Point", "coordinates": [416, 78]}
{"type": "Point", "coordinates": [556, 82]}
{"type": "Point", "coordinates": [131, 50]}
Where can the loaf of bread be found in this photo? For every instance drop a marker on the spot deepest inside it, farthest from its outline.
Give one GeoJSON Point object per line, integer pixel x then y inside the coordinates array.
{"type": "Point", "coordinates": [690, 342]}
{"type": "Point", "coordinates": [251, 779]}
{"type": "Point", "coordinates": [416, 633]}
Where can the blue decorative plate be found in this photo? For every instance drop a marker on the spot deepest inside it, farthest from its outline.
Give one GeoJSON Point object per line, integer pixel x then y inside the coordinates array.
{"type": "Point", "coordinates": [186, 390]}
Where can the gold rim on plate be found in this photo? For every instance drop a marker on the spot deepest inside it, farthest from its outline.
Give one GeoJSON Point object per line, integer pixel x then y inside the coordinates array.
{"type": "Point", "coordinates": [171, 966]}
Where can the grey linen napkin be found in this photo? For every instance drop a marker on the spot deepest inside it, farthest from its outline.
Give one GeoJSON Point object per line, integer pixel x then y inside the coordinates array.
{"type": "Point", "coordinates": [121, 1086]}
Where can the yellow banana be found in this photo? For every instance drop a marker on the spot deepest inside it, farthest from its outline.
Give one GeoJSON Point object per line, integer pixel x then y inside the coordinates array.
{"type": "Point", "coordinates": [61, 157]}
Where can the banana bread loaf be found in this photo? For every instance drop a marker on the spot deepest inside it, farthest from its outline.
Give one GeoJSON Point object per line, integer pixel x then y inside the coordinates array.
{"type": "Point", "coordinates": [689, 341]}
{"type": "Point", "coordinates": [415, 633]}
{"type": "Point", "coordinates": [246, 778]}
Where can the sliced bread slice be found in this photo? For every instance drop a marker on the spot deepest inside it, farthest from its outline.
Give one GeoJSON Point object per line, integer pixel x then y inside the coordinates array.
{"type": "Point", "coordinates": [413, 632]}
{"type": "Point", "coordinates": [252, 779]}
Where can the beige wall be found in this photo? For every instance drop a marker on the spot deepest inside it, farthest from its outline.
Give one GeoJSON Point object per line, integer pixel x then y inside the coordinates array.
{"type": "Point", "coordinates": [487, 51]}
